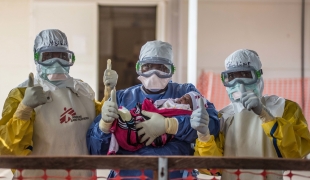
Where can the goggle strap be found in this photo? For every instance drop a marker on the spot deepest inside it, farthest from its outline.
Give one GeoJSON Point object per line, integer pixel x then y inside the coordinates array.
{"type": "Point", "coordinates": [259, 73]}
{"type": "Point", "coordinates": [222, 77]}
{"type": "Point", "coordinates": [138, 66]}
{"type": "Point", "coordinates": [173, 69]}
{"type": "Point", "coordinates": [36, 56]}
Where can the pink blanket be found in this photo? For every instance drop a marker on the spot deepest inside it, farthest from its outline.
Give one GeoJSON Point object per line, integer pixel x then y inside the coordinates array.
{"type": "Point", "coordinates": [124, 133]}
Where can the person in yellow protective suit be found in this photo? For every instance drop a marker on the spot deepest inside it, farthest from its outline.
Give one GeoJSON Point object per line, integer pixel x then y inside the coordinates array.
{"type": "Point", "coordinates": [252, 125]}
{"type": "Point", "coordinates": [49, 114]}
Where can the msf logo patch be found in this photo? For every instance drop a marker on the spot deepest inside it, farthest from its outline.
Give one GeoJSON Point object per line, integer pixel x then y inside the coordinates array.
{"type": "Point", "coordinates": [70, 116]}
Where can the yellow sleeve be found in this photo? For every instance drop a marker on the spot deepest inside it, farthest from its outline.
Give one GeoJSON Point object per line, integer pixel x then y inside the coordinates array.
{"type": "Point", "coordinates": [15, 134]}
{"type": "Point", "coordinates": [98, 106]}
{"type": "Point", "coordinates": [213, 147]}
{"type": "Point", "coordinates": [289, 133]}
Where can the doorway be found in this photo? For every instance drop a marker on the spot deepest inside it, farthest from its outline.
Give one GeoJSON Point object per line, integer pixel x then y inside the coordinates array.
{"type": "Point", "coordinates": [122, 32]}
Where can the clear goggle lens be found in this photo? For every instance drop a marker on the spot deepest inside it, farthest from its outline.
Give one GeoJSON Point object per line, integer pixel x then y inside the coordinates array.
{"type": "Point", "coordinates": [246, 76]}
{"type": "Point", "coordinates": [43, 57]}
{"type": "Point", "coordinates": [161, 70]}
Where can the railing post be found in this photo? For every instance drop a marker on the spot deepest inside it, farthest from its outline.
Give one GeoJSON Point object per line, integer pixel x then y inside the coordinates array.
{"type": "Point", "coordinates": [162, 168]}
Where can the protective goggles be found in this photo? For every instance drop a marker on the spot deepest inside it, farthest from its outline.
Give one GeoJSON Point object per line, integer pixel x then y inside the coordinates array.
{"type": "Point", "coordinates": [242, 75]}
{"type": "Point", "coordinates": [159, 66]}
{"type": "Point", "coordinates": [42, 57]}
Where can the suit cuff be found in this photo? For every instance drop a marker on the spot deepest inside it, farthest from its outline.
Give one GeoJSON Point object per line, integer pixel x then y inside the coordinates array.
{"type": "Point", "coordinates": [23, 112]}
{"type": "Point", "coordinates": [203, 137]}
{"type": "Point", "coordinates": [171, 125]}
{"type": "Point", "coordinates": [265, 115]}
{"type": "Point", "coordinates": [105, 126]}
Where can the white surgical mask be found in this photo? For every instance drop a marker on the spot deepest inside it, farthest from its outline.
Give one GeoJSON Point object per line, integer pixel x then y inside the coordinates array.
{"type": "Point", "coordinates": [154, 82]}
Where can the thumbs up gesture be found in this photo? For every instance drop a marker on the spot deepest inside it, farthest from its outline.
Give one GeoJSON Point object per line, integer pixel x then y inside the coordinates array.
{"type": "Point", "coordinates": [110, 78]}
{"type": "Point", "coordinates": [109, 109]}
{"type": "Point", "coordinates": [34, 96]}
{"type": "Point", "coordinates": [200, 119]}
{"type": "Point", "coordinates": [250, 100]}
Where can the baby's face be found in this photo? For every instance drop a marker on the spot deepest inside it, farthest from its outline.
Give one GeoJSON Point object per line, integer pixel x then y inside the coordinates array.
{"type": "Point", "coordinates": [186, 99]}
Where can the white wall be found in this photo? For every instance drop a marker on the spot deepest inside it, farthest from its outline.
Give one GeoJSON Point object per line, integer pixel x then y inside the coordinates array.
{"type": "Point", "coordinates": [15, 48]}
{"type": "Point", "coordinates": [22, 20]}
{"type": "Point", "coordinates": [79, 21]}
{"type": "Point", "coordinates": [272, 28]}
{"type": "Point", "coordinates": [176, 35]}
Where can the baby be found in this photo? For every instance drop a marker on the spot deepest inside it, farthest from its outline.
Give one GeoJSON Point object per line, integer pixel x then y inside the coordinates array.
{"type": "Point", "coordinates": [186, 102]}
{"type": "Point", "coordinates": [123, 129]}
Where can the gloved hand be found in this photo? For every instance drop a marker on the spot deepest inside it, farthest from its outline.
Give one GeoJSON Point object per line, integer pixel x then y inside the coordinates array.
{"type": "Point", "coordinates": [109, 109]}
{"type": "Point", "coordinates": [155, 126]}
{"type": "Point", "coordinates": [109, 112]}
{"type": "Point", "coordinates": [200, 121]}
{"type": "Point", "coordinates": [250, 101]}
{"type": "Point", "coordinates": [110, 78]}
{"type": "Point", "coordinates": [34, 96]}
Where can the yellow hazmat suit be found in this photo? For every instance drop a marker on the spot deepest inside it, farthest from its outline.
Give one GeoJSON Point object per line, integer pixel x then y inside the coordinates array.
{"type": "Point", "coordinates": [254, 125]}
{"type": "Point", "coordinates": [16, 134]}
{"type": "Point", "coordinates": [285, 136]}
{"type": "Point", "coordinates": [49, 115]}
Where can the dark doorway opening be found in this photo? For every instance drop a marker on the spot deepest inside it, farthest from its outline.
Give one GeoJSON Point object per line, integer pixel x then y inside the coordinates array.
{"type": "Point", "coordinates": [122, 32]}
